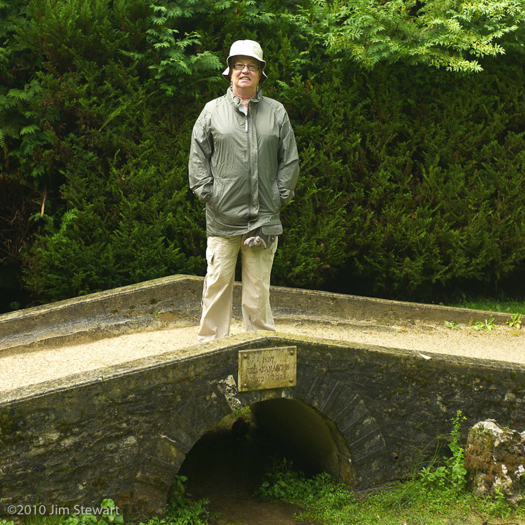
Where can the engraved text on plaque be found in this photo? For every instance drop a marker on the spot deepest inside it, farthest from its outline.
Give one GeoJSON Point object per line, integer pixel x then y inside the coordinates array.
{"type": "Point", "coordinates": [266, 368]}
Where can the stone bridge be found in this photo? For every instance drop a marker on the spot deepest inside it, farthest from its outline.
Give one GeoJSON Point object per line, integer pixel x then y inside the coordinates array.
{"type": "Point", "coordinates": [366, 413]}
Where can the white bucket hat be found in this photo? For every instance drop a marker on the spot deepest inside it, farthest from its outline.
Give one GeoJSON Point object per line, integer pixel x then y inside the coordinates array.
{"type": "Point", "coordinates": [247, 48]}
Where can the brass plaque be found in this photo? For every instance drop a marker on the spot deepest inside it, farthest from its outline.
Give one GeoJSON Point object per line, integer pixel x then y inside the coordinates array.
{"type": "Point", "coordinates": [267, 368]}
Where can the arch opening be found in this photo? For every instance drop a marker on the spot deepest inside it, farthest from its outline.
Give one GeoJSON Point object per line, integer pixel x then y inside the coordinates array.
{"type": "Point", "coordinates": [306, 436]}
{"type": "Point", "coordinates": [230, 461]}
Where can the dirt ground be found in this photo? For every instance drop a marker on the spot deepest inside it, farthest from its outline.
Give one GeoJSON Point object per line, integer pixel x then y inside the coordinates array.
{"type": "Point", "coordinates": [227, 471]}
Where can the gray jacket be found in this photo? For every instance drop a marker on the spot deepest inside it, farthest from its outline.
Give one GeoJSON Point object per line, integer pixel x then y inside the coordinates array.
{"type": "Point", "coordinates": [244, 166]}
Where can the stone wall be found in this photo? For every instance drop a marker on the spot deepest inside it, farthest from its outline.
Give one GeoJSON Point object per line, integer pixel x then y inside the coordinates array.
{"type": "Point", "coordinates": [125, 434]}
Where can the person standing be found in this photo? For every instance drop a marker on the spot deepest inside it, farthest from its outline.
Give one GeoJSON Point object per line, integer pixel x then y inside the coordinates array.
{"type": "Point", "coordinates": [244, 165]}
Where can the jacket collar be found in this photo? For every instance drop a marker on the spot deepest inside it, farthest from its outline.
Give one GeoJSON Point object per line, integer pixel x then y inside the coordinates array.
{"type": "Point", "coordinates": [236, 101]}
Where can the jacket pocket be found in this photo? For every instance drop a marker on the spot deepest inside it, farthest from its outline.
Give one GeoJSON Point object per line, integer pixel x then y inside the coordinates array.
{"type": "Point", "coordinates": [269, 198]}
{"type": "Point", "coordinates": [231, 201]}
{"type": "Point", "coordinates": [216, 194]}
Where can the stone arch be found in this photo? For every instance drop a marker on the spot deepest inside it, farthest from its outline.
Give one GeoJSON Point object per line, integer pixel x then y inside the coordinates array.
{"type": "Point", "coordinates": [161, 457]}
{"type": "Point", "coordinates": [360, 443]}
{"type": "Point", "coordinates": [348, 411]}
{"type": "Point", "coordinates": [358, 440]}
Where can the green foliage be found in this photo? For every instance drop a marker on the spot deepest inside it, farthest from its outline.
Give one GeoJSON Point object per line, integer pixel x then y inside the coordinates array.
{"type": "Point", "coordinates": [450, 34]}
{"type": "Point", "coordinates": [487, 325]}
{"type": "Point", "coordinates": [412, 179]}
{"type": "Point", "coordinates": [127, 222]}
{"type": "Point", "coordinates": [493, 304]}
{"type": "Point", "coordinates": [498, 506]}
{"type": "Point", "coordinates": [325, 501]}
{"type": "Point", "coordinates": [167, 54]}
{"type": "Point", "coordinates": [412, 170]}
{"type": "Point", "coordinates": [452, 475]}
{"type": "Point", "coordinates": [431, 209]}
{"type": "Point", "coordinates": [515, 321]}
{"type": "Point", "coordinates": [183, 511]}
{"type": "Point", "coordinates": [434, 496]}
{"type": "Point", "coordinates": [328, 498]}
{"type": "Point", "coordinates": [119, 210]}
{"type": "Point", "coordinates": [20, 93]}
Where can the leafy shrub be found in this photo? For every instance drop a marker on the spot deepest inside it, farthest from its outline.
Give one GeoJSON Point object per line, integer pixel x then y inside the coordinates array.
{"type": "Point", "coordinates": [121, 211]}
{"type": "Point", "coordinates": [286, 484]}
{"type": "Point", "coordinates": [412, 179]}
{"type": "Point", "coordinates": [452, 475]}
{"type": "Point", "coordinates": [181, 510]}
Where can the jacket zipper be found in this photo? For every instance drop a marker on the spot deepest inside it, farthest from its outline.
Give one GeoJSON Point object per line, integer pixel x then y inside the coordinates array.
{"type": "Point", "coordinates": [249, 165]}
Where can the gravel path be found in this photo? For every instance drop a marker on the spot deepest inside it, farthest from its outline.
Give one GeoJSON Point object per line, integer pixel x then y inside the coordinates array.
{"type": "Point", "coordinates": [22, 368]}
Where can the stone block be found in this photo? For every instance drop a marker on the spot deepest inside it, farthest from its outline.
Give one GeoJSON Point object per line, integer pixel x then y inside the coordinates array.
{"type": "Point", "coordinates": [495, 460]}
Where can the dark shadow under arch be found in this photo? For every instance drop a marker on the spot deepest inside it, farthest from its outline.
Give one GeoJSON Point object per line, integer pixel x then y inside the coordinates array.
{"type": "Point", "coordinates": [306, 436]}
{"type": "Point", "coordinates": [234, 456]}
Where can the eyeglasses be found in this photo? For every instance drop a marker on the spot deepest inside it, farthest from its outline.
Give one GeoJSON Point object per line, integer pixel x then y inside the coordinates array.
{"type": "Point", "coordinates": [240, 67]}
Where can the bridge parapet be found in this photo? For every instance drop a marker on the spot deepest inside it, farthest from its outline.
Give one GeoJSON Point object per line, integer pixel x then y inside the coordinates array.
{"type": "Point", "coordinates": [169, 301]}
{"type": "Point", "coordinates": [151, 305]}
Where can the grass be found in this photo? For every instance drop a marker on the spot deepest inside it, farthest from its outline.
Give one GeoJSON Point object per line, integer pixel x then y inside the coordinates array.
{"type": "Point", "coordinates": [419, 501]}
{"type": "Point", "coordinates": [502, 304]}
{"type": "Point", "coordinates": [326, 502]}
{"type": "Point", "coordinates": [434, 495]}
{"type": "Point", "coordinates": [410, 503]}
{"type": "Point", "coordinates": [514, 307]}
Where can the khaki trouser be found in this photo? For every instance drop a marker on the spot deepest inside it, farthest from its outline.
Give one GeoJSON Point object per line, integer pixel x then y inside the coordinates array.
{"type": "Point", "coordinates": [221, 257]}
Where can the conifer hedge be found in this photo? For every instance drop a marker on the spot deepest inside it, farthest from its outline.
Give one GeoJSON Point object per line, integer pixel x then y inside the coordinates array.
{"type": "Point", "coordinates": [412, 181]}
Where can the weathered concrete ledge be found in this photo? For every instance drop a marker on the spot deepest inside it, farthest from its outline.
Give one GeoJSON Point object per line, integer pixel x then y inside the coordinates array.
{"type": "Point", "coordinates": [151, 305]}
{"type": "Point", "coordinates": [175, 300]}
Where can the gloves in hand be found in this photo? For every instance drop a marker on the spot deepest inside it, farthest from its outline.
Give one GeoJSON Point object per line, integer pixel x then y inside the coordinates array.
{"type": "Point", "coordinates": [255, 242]}
{"type": "Point", "coordinates": [258, 240]}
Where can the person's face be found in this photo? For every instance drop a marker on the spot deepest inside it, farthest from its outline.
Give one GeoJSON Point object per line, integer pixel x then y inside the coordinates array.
{"type": "Point", "coordinates": [245, 80]}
